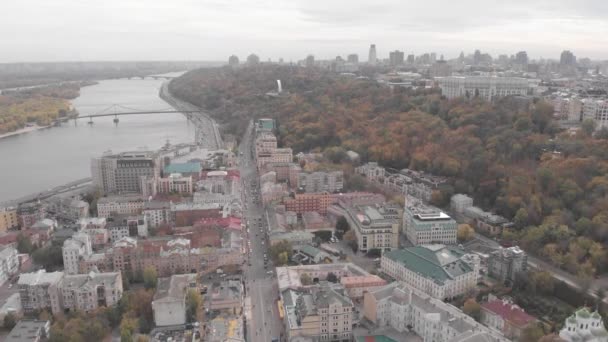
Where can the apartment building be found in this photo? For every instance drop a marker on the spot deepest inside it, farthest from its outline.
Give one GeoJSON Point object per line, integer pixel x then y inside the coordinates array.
{"type": "Point", "coordinates": [371, 171]}
{"type": "Point", "coordinates": [322, 312]}
{"type": "Point", "coordinates": [87, 292]}
{"type": "Point", "coordinates": [266, 150]}
{"type": "Point", "coordinates": [77, 247]}
{"type": "Point", "coordinates": [459, 202]}
{"type": "Point", "coordinates": [157, 213]}
{"type": "Point", "coordinates": [9, 262]}
{"type": "Point", "coordinates": [485, 87]}
{"type": "Point", "coordinates": [596, 110]}
{"type": "Point", "coordinates": [407, 309]}
{"type": "Point", "coordinates": [120, 226]}
{"type": "Point", "coordinates": [169, 303]}
{"type": "Point", "coordinates": [506, 264]}
{"type": "Point", "coordinates": [121, 173]}
{"type": "Point", "coordinates": [302, 203]}
{"type": "Point", "coordinates": [437, 270]}
{"type": "Point", "coordinates": [121, 205]}
{"type": "Point", "coordinates": [285, 172]}
{"type": "Point", "coordinates": [58, 292]}
{"type": "Point", "coordinates": [425, 224]}
{"type": "Point", "coordinates": [41, 291]}
{"type": "Point", "coordinates": [357, 286]}
{"type": "Point", "coordinates": [30, 213]}
{"type": "Point", "coordinates": [29, 330]}
{"type": "Point", "coordinates": [8, 219]}
{"type": "Point", "coordinates": [167, 256]}
{"type": "Point", "coordinates": [321, 181]}
{"type": "Point", "coordinates": [226, 296]}
{"type": "Point", "coordinates": [375, 226]}
{"type": "Point", "coordinates": [174, 183]}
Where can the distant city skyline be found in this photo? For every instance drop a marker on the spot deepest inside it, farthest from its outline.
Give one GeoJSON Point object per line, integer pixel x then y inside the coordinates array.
{"type": "Point", "coordinates": [70, 30]}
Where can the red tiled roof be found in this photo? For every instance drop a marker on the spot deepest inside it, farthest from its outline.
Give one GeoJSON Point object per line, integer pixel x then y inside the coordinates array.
{"type": "Point", "coordinates": [509, 312]}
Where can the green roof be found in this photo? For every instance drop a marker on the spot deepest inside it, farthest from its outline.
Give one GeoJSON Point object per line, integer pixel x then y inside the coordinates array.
{"type": "Point", "coordinates": [437, 262]}
{"type": "Point", "coordinates": [376, 338]}
{"type": "Point", "coordinates": [183, 168]}
{"type": "Point", "coordinates": [309, 250]}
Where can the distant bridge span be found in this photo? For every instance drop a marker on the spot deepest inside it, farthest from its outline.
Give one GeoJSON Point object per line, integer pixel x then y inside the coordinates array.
{"type": "Point", "coordinates": [135, 113]}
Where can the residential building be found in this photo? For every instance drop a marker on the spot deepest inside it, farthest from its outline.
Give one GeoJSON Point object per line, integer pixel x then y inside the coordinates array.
{"type": "Point", "coordinates": [272, 192]}
{"type": "Point", "coordinates": [87, 292]}
{"type": "Point", "coordinates": [459, 202]}
{"type": "Point", "coordinates": [322, 312]}
{"type": "Point", "coordinates": [440, 68]}
{"type": "Point", "coordinates": [157, 213]}
{"type": "Point", "coordinates": [30, 213]}
{"type": "Point", "coordinates": [310, 254]}
{"type": "Point", "coordinates": [225, 329]}
{"type": "Point", "coordinates": [321, 181]}
{"type": "Point", "coordinates": [41, 291]}
{"type": "Point", "coordinates": [74, 249]}
{"type": "Point", "coordinates": [266, 150]}
{"type": "Point", "coordinates": [186, 214]}
{"type": "Point", "coordinates": [425, 224]}
{"type": "Point", "coordinates": [375, 226]}
{"type": "Point", "coordinates": [396, 58]}
{"type": "Point", "coordinates": [8, 219]}
{"type": "Point", "coordinates": [491, 224]}
{"type": "Point", "coordinates": [120, 226]}
{"type": "Point", "coordinates": [121, 173]}
{"type": "Point", "coordinates": [290, 277]}
{"type": "Point", "coordinates": [169, 304]}
{"type": "Point", "coordinates": [174, 183]}
{"type": "Point", "coordinates": [437, 270]}
{"type": "Point", "coordinates": [225, 296]}
{"type": "Point", "coordinates": [285, 172]}
{"type": "Point", "coordinates": [167, 255]}
{"type": "Point", "coordinates": [357, 286]}
{"type": "Point", "coordinates": [596, 110]}
{"type": "Point", "coordinates": [29, 330]}
{"type": "Point", "coordinates": [584, 325]}
{"type": "Point", "coordinates": [121, 205]}
{"type": "Point", "coordinates": [9, 262]}
{"type": "Point", "coordinates": [352, 58]}
{"type": "Point", "coordinates": [92, 223]}
{"type": "Point", "coordinates": [406, 309]}
{"type": "Point", "coordinates": [506, 264]}
{"type": "Point", "coordinates": [302, 203]}
{"type": "Point", "coordinates": [506, 317]}
{"type": "Point", "coordinates": [372, 172]}
{"type": "Point", "coordinates": [484, 87]}
{"type": "Point", "coordinates": [313, 221]}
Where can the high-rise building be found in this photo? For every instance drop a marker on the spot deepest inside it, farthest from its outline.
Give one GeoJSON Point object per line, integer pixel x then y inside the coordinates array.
{"type": "Point", "coordinates": [411, 59]}
{"type": "Point", "coordinates": [372, 54]}
{"type": "Point", "coordinates": [396, 57]}
{"type": "Point", "coordinates": [352, 58]}
{"type": "Point", "coordinates": [477, 57]}
{"type": "Point", "coordinates": [310, 61]}
{"type": "Point", "coordinates": [253, 59]}
{"type": "Point", "coordinates": [596, 110]}
{"type": "Point", "coordinates": [521, 58]}
{"type": "Point", "coordinates": [233, 60]}
{"type": "Point", "coordinates": [121, 173]}
{"type": "Point", "coordinates": [567, 58]}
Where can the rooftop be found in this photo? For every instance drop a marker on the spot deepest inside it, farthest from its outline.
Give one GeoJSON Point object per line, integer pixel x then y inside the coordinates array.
{"type": "Point", "coordinates": [28, 330]}
{"type": "Point", "coordinates": [39, 278]}
{"type": "Point", "coordinates": [509, 312]}
{"type": "Point", "coordinates": [188, 167]}
{"type": "Point", "coordinates": [174, 287]}
{"type": "Point", "coordinates": [437, 262]}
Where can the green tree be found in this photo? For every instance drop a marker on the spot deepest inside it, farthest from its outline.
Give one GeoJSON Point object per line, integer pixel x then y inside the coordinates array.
{"type": "Point", "coordinates": [521, 218]}
{"type": "Point", "coordinates": [193, 305]}
{"type": "Point", "coordinates": [305, 279]}
{"type": "Point", "coordinates": [472, 308]}
{"type": "Point", "coordinates": [342, 227]}
{"type": "Point", "coordinates": [532, 333]}
{"type": "Point", "coordinates": [24, 245]}
{"type": "Point", "coordinates": [588, 127]}
{"type": "Point", "coordinates": [332, 278]}
{"type": "Point", "coordinates": [281, 252]}
{"type": "Point", "coordinates": [150, 277]}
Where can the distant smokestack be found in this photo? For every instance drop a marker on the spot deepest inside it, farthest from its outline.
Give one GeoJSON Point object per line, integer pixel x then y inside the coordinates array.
{"type": "Point", "coordinates": [279, 86]}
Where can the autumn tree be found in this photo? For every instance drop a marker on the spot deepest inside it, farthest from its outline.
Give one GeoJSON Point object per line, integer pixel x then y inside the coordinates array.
{"type": "Point", "coordinates": [305, 279]}
{"type": "Point", "coordinates": [465, 232]}
{"type": "Point", "coordinates": [150, 277]}
{"type": "Point", "coordinates": [472, 308]}
{"type": "Point", "coordinates": [193, 305]}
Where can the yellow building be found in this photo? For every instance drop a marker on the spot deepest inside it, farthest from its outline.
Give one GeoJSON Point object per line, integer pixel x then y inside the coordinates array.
{"type": "Point", "coordinates": [8, 219]}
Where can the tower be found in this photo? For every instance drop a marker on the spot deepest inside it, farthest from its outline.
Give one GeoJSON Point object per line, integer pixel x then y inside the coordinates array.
{"type": "Point", "coordinates": [372, 54]}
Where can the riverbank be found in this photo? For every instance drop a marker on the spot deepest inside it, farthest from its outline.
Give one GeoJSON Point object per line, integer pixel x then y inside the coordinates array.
{"type": "Point", "coordinates": [23, 131]}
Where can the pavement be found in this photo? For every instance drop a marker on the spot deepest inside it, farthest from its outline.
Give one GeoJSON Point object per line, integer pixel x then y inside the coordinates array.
{"type": "Point", "coordinates": [261, 311]}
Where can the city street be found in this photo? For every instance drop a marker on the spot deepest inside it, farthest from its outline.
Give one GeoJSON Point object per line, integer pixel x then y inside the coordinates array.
{"type": "Point", "coordinates": [261, 310]}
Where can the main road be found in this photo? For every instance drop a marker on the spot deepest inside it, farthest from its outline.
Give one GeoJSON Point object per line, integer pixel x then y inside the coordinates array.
{"type": "Point", "coordinates": [261, 311]}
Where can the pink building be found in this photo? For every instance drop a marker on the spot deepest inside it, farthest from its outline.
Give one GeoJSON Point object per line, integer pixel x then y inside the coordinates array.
{"type": "Point", "coordinates": [506, 317]}
{"type": "Point", "coordinates": [356, 286]}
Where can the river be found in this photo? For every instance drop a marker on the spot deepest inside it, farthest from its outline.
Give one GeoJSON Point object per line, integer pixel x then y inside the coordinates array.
{"type": "Point", "coordinates": [39, 160]}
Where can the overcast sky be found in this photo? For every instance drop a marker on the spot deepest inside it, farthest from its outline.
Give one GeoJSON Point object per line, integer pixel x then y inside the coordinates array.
{"type": "Point", "coordinates": [59, 30]}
